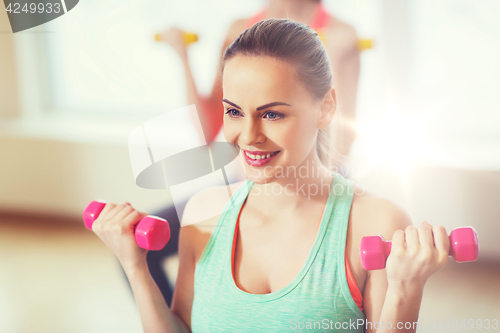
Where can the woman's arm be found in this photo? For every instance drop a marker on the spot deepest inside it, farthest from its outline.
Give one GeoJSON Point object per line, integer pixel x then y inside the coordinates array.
{"type": "Point", "coordinates": [115, 226]}
{"type": "Point", "coordinates": [342, 49]}
{"type": "Point", "coordinates": [154, 311]}
{"type": "Point", "coordinates": [347, 90]}
{"type": "Point", "coordinates": [199, 219]}
{"type": "Point", "coordinates": [393, 296]}
{"type": "Point", "coordinates": [209, 107]}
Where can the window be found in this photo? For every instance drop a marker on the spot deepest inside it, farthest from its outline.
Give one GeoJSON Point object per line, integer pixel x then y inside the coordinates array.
{"type": "Point", "coordinates": [103, 56]}
{"type": "Point", "coordinates": [455, 57]}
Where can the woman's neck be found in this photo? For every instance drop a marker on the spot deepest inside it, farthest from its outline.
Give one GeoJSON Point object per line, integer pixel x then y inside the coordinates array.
{"type": "Point", "coordinates": [294, 188]}
{"type": "Point", "coordinates": [297, 10]}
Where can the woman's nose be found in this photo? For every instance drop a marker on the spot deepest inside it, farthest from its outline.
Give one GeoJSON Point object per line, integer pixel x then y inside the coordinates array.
{"type": "Point", "coordinates": [252, 133]}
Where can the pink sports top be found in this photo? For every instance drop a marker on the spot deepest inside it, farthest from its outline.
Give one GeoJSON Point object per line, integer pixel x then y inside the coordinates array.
{"type": "Point", "coordinates": [318, 22]}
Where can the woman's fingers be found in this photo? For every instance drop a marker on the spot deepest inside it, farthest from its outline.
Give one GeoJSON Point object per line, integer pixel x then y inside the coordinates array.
{"type": "Point", "coordinates": [114, 215]}
{"type": "Point", "coordinates": [112, 212]}
{"type": "Point", "coordinates": [398, 239]}
{"type": "Point", "coordinates": [411, 239]}
{"type": "Point", "coordinates": [417, 253]}
{"type": "Point", "coordinates": [427, 223]}
{"type": "Point", "coordinates": [425, 237]}
{"type": "Point", "coordinates": [107, 208]}
{"type": "Point", "coordinates": [398, 243]}
{"type": "Point", "coordinates": [132, 218]}
{"type": "Point", "coordinates": [125, 210]}
{"type": "Point", "coordinates": [442, 242]}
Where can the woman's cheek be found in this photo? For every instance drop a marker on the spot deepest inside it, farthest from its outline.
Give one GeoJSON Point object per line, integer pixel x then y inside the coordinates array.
{"type": "Point", "coordinates": [229, 132]}
{"type": "Point", "coordinates": [301, 141]}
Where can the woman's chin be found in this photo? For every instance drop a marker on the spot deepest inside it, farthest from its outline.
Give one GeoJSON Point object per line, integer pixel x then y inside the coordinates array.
{"type": "Point", "coordinates": [260, 179]}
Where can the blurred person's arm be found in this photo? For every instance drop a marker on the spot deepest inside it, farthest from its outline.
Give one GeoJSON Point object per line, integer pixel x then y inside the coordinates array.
{"type": "Point", "coordinates": [342, 49]}
{"type": "Point", "coordinates": [209, 107]}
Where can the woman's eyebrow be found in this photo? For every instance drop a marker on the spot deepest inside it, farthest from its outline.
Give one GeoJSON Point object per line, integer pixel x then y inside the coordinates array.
{"type": "Point", "coordinates": [231, 103]}
{"type": "Point", "coordinates": [265, 106]}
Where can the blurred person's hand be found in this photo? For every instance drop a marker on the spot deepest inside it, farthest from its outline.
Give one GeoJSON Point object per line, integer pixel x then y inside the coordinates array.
{"type": "Point", "coordinates": [115, 226]}
{"type": "Point", "coordinates": [175, 38]}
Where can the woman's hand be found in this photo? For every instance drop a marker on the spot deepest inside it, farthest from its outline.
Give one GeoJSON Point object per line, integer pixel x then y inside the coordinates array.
{"type": "Point", "coordinates": [116, 227]}
{"type": "Point", "coordinates": [416, 254]}
{"type": "Point", "coordinates": [175, 38]}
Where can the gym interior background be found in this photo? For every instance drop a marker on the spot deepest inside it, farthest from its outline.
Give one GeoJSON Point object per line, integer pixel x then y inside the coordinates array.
{"type": "Point", "coordinates": [72, 90]}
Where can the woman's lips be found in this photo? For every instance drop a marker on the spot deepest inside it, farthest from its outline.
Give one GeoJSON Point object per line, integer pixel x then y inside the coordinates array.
{"type": "Point", "coordinates": [259, 162]}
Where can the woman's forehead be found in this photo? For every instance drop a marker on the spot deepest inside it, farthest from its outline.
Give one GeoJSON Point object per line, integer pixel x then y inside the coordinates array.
{"type": "Point", "coordinates": [241, 67]}
{"type": "Point", "coordinates": [250, 76]}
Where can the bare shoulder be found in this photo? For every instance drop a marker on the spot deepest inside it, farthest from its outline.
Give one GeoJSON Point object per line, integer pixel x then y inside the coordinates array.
{"type": "Point", "coordinates": [201, 215]}
{"type": "Point", "coordinates": [371, 215]}
{"type": "Point", "coordinates": [374, 215]}
{"type": "Point", "coordinates": [341, 36]}
{"type": "Point", "coordinates": [236, 28]}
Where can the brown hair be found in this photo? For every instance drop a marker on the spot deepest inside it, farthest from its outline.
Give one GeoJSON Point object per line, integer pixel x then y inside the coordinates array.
{"type": "Point", "coordinates": [299, 45]}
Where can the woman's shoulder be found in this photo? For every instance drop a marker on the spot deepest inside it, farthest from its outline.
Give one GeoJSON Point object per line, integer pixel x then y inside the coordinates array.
{"type": "Point", "coordinates": [236, 28]}
{"type": "Point", "coordinates": [208, 202]}
{"type": "Point", "coordinates": [371, 215]}
{"type": "Point", "coordinates": [202, 213]}
{"type": "Point", "coordinates": [374, 215]}
{"type": "Point", "coordinates": [341, 36]}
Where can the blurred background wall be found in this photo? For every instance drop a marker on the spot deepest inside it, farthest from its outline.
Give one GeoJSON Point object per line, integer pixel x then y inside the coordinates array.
{"type": "Point", "coordinates": [73, 89]}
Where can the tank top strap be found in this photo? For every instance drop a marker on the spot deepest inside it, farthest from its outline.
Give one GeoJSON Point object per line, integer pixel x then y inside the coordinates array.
{"type": "Point", "coordinates": [343, 191]}
{"type": "Point", "coordinates": [321, 18]}
{"type": "Point", "coordinates": [225, 223]}
{"type": "Point", "coordinates": [333, 249]}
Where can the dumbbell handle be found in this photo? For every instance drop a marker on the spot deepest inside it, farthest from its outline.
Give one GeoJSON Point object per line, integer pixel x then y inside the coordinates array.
{"type": "Point", "coordinates": [464, 247]}
{"type": "Point", "coordinates": [187, 37]}
{"type": "Point", "coordinates": [151, 233]}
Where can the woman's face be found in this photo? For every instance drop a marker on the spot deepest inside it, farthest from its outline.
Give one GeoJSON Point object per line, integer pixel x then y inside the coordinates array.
{"type": "Point", "coordinates": [270, 115]}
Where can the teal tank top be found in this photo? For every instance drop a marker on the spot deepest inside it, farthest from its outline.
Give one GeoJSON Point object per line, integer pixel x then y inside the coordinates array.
{"type": "Point", "coordinates": [318, 298]}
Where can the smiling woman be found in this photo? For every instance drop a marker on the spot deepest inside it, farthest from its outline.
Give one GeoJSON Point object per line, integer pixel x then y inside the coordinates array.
{"type": "Point", "coordinates": [314, 73]}
{"type": "Point", "coordinates": [282, 250]}
{"type": "Point", "coordinates": [261, 125]}
{"type": "Point", "coordinates": [279, 103]}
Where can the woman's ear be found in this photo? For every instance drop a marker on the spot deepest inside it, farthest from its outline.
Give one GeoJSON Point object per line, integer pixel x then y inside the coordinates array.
{"type": "Point", "coordinates": [328, 108]}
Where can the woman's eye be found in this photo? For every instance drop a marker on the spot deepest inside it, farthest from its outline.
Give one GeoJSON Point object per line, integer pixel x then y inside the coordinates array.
{"type": "Point", "coordinates": [233, 112]}
{"type": "Point", "coordinates": [272, 115]}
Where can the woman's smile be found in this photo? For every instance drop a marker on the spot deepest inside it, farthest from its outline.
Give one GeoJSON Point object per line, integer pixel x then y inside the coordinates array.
{"type": "Point", "coordinates": [259, 158]}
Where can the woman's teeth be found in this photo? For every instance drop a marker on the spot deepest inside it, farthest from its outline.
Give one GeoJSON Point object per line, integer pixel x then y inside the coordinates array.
{"type": "Point", "coordinates": [260, 157]}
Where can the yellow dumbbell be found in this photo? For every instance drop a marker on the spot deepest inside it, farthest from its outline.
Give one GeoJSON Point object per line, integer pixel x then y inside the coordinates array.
{"type": "Point", "coordinates": [188, 37]}
{"type": "Point", "coordinates": [365, 44]}
{"type": "Point", "coordinates": [321, 36]}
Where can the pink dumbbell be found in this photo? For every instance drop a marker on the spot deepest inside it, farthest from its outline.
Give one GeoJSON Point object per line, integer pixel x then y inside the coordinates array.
{"type": "Point", "coordinates": [151, 233]}
{"type": "Point", "coordinates": [375, 249]}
